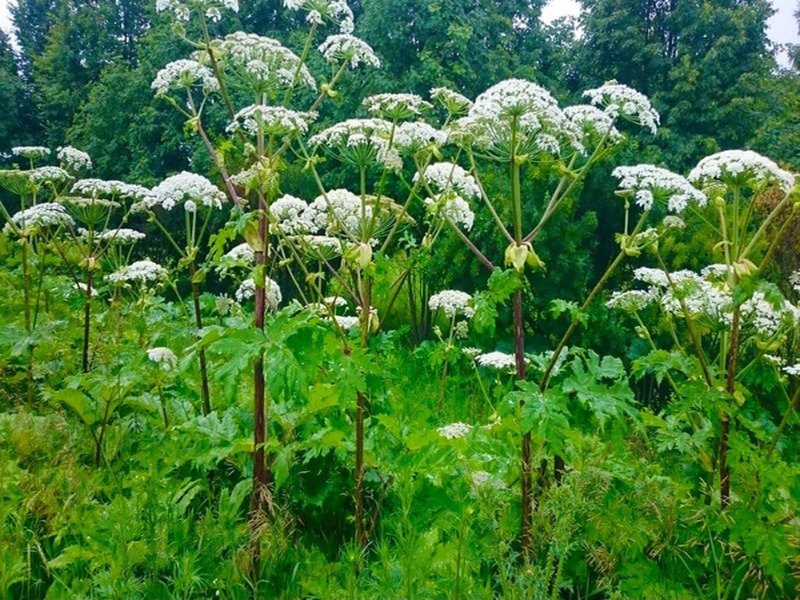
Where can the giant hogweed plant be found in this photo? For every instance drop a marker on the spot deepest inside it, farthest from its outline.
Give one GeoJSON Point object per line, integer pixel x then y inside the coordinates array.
{"type": "Point", "coordinates": [729, 316]}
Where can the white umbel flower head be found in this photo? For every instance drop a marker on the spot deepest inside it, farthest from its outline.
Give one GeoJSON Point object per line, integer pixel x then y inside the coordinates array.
{"type": "Point", "coordinates": [345, 48]}
{"type": "Point", "coordinates": [73, 159]}
{"type": "Point", "coordinates": [183, 10]}
{"type": "Point", "coordinates": [141, 271]}
{"type": "Point", "coordinates": [396, 107]}
{"type": "Point", "coordinates": [452, 303]}
{"type": "Point", "coordinates": [40, 216]}
{"type": "Point", "coordinates": [272, 292]}
{"type": "Point", "coordinates": [163, 357]}
{"type": "Point", "coordinates": [449, 177]}
{"type": "Point", "coordinates": [414, 136]}
{"type": "Point", "coordinates": [451, 207]}
{"type": "Point", "coordinates": [739, 167]}
{"type": "Point", "coordinates": [621, 101]}
{"type": "Point", "coordinates": [454, 431]}
{"type": "Point", "coordinates": [631, 300]}
{"type": "Point", "coordinates": [262, 62]}
{"type": "Point", "coordinates": [793, 370]}
{"type": "Point", "coordinates": [242, 253]}
{"type": "Point", "coordinates": [649, 183]}
{"type": "Point", "coordinates": [270, 120]}
{"type": "Point", "coordinates": [184, 74]}
{"type": "Point", "coordinates": [517, 113]}
{"type": "Point", "coordinates": [338, 212]}
{"type": "Point", "coordinates": [497, 360]}
{"type": "Point", "coordinates": [187, 188]}
{"type": "Point", "coordinates": [120, 236]}
{"type": "Point", "coordinates": [101, 188]}
{"type": "Point", "coordinates": [289, 215]}
{"type": "Point", "coordinates": [335, 11]}
{"type": "Point", "coordinates": [360, 142]}
{"type": "Point", "coordinates": [454, 102]}
{"type": "Point", "coordinates": [592, 123]}
{"type": "Point", "coordinates": [31, 152]}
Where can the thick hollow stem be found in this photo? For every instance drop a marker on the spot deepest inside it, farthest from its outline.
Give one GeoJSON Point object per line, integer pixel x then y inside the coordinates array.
{"type": "Point", "coordinates": [198, 320]}
{"type": "Point", "coordinates": [525, 466]}
{"type": "Point", "coordinates": [87, 320]}
{"type": "Point", "coordinates": [361, 401]}
{"type": "Point", "coordinates": [724, 469]}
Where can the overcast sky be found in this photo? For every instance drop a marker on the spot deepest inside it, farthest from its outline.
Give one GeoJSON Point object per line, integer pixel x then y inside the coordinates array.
{"type": "Point", "coordinates": [782, 26]}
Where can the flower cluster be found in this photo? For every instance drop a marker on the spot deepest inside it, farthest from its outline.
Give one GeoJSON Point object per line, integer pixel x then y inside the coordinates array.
{"type": "Point", "coordinates": [453, 208]}
{"type": "Point", "coordinates": [336, 11]}
{"type": "Point", "coordinates": [184, 74]}
{"type": "Point", "coordinates": [625, 102]}
{"type": "Point", "coordinates": [96, 188]}
{"type": "Point", "coordinates": [141, 271]}
{"type": "Point", "coordinates": [453, 303]}
{"type": "Point", "coordinates": [454, 430]}
{"type": "Point", "coordinates": [447, 177]}
{"type": "Point", "coordinates": [768, 318]}
{"type": "Point", "coordinates": [516, 116]}
{"type": "Point", "coordinates": [120, 236]}
{"type": "Point", "coordinates": [270, 120]}
{"type": "Point", "coordinates": [263, 62]}
{"type": "Point", "coordinates": [46, 214]}
{"type": "Point", "coordinates": [241, 253]}
{"type": "Point", "coordinates": [74, 159]}
{"type": "Point", "coordinates": [290, 217]}
{"type": "Point", "coordinates": [31, 152]}
{"type": "Point", "coordinates": [739, 167]}
{"type": "Point", "coordinates": [163, 357]}
{"type": "Point", "coordinates": [649, 183]}
{"type": "Point", "coordinates": [338, 212]}
{"type": "Point", "coordinates": [41, 175]}
{"type": "Point", "coordinates": [396, 106]}
{"type": "Point", "coordinates": [187, 188]}
{"type": "Point", "coordinates": [413, 136]}
{"type": "Point", "coordinates": [497, 360]}
{"type": "Point", "coordinates": [272, 292]}
{"type": "Point", "coordinates": [348, 49]}
{"type": "Point", "coordinates": [360, 142]}
{"type": "Point", "coordinates": [183, 11]}
{"type": "Point", "coordinates": [592, 123]}
{"type": "Point", "coordinates": [454, 102]}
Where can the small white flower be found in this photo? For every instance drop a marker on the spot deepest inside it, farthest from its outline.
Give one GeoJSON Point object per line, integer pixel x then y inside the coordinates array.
{"type": "Point", "coordinates": [74, 159]}
{"type": "Point", "coordinates": [454, 102]}
{"type": "Point", "coordinates": [141, 271]}
{"type": "Point", "coordinates": [625, 102]}
{"type": "Point", "coordinates": [396, 106]}
{"type": "Point", "coordinates": [163, 357]}
{"type": "Point", "coordinates": [649, 183]}
{"type": "Point", "coordinates": [184, 74]}
{"type": "Point", "coordinates": [446, 177]}
{"type": "Point", "coordinates": [452, 303]}
{"type": "Point", "coordinates": [348, 49]}
{"type": "Point", "coordinates": [272, 291]}
{"type": "Point", "coordinates": [793, 370]}
{"type": "Point", "coordinates": [184, 188]}
{"type": "Point", "coordinates": [40, 216]}
{"type": "Point", "coordinates": [120, 236]}
{"type": "Point", "coordinates": [243, 253]}
{"type": "Point", "coordinates": [631, 300]}
{"type": "Point", "coordinates": [497, 360]}
{"type": "Point", "coordinates": [289, 214]}
{"type": "Point", "coordinates": [270, 120]}
{"type": "Point", "coordinates": [31, 152]}
{"type": "Point", "coordinates": [454, 430]}
{"type": "Point", "coordinates": [739, 166]}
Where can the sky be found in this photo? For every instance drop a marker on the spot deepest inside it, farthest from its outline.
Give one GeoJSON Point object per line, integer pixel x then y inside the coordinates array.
{"type": "Point", "coordinates": [782, 25]}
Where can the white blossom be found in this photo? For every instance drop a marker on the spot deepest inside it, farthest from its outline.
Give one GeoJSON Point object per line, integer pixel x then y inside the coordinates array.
{"type": "Point", "coordinates": [184, 74]}
{"type": "Point", "coordinates": [46, 214]}
{"type": "Point", "coordinates": [270, 120]}
{"type": "Point", "coordinates": [445, 177]}
{"type": "Point", "coordinates": [454, 430]}
{"type": "Point", "coordinates": [120, 236]}
{"type": "Point", "coordinates": [264, 62]}
{"type": "Point", "coordinates": [182, 11]}
{"type": "Point", "coordinates": [185, 187]}
{"type": "Point", "coordinates": [452, 303]}
{"type": "Point", "coordinates": [454, 102]}
{"type": "Point", "coordinates": [272, 292]}
{"type": "Point", "coordinates": [452, 207]}
{"type": "Point", "coordinates": [109, 188]}
{"type": "Point", "coordinates": [650, 183]}
{"type": "Point", "coordinates": [592, 122]}
{"type": "Point", "coordinates": [46, 174]}
{"type": "Point", "coordinates": [345, 322]}
{"type": "Point", "coordinates": [31, 152]}
{"type": "Point", "coordinates": [336, 11]}
{"type": "Point", "coordinates": [319, 245]}
{"type": "Point", "coordinates": [625, 102]}
{"type": "Point", "coordinates": [497, 360]}
{"type": "Point", "coordinates": [793, 370]}
{"type": "Point", "coordinates": [289, 215]}
{"type": "Point", "coordinates": [74, 159]}
{"type": "Point", "coordinates": [738, 167]}
{"type": "Point", "coordinates": [242, 253]}
{"type": "Point", "coordinates": [339, 212]}
{"type": "Point", "coordinates": [163, 357]}
{"type": "Point", "coordinates": [141, 271]}
{"type": "Point", "coordinates": [348, 49]}
{"type": "Point", "coordinates": [766, 318]}
{"type": "Point", "coordinates": [413, 136]}
{"type": "Point", "coordinates": [631, 300]}
{"type": "Point", "coordinates": [359, 141]}
{"type": "Point", "coordinates": [794, 279]}
{"type": "Point", "coordinates": [396, 106]}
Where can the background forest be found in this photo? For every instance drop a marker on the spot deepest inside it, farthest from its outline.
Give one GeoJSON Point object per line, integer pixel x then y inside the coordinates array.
{"type": "Point", "coordinates": [490, 420]}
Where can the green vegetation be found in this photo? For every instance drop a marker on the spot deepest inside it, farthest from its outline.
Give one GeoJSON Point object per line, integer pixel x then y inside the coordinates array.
{"type": "Point", "coordinates": [463, 307]}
